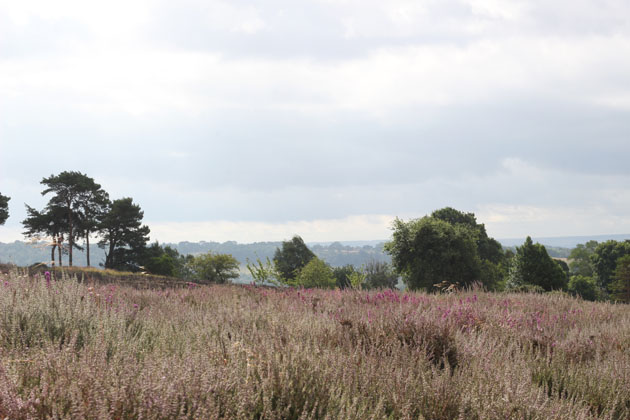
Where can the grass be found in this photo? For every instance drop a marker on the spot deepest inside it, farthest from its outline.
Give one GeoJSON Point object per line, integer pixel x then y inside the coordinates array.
{"type": "Point", "coordinates": [93, 275]}
{"type": "Point", "coordinates": [81, 350]}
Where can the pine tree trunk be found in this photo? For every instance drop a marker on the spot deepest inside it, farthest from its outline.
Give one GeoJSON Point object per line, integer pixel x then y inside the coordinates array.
{"type": "Point", "coordinates": [110, 256]}
{"type": "Point", "coordinates": [70, 236]}
{"type": "Point", "coordinates": [52, 252]}
{"type": "Point", "coordinates": [59, 251]}
{"type": "Point", "coordinates": [87, 247]}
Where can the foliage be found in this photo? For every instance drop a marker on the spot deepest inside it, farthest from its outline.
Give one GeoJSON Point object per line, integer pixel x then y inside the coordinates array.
{"type": "Point", "coordinates": [563, 265]}
{"type": "Point", "coordinates": [165, 260]}
{"type": "Point", "coordinates": [580, 259]}
{"type": "Point", "coordinates": [72, 350]}
{"type": "Point", "coordinates": [621, 286]}
{"type": "Point", "coordinates": [291, 257]}
{"type": "Point", "coordinates": [488, 248]}
{"type": "Point", "coordinates": [494, 275]}
{"type": "Point", "coordinates": [51, 222]}
{"type": "Point", "coordinates": [447, 248]}
{"type": "Point", "coordinates": [605, 261]}
{"type": "Point", "coordinates": [429, 251]}
{"type": "Point", "coordinates": [81, 198]}
{"type": "Point", "coordinates": [343, 274]}
{"type": "Point", "coordinates": [4, 208]}
{"type": "Point", "coordinates": [93, 204]}
{"type": "Point", "coordinates": [162, 265]}
{"type": "Point", "coordinates": [584, 287]}
{"type": "Point", "coordinates": [264, 273]}
{"type": "Point", "coordinates": [379, 275]}
{"type": "Point", "coordinates": [356, 279]}
{"type": "Point", "coordinates": [124, 236]}
{"type": "Point", "coordinates": [214, 268]}
{"type": "Point", "coordinates": [316, 273]}
{"type": "Point", "coordinates": [533, 266]}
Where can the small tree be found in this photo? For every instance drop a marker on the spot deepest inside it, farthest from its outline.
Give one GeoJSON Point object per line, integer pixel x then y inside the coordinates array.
{"type": "Point", "coordinates": [342, 275]}
{"type": "Point", "coordinates": [291, 258]}
{"type": "Point", "coordinates": [263, 273]}
{"type": "Point", "coordinates": [215, 268]}
{"type": "Point", "coordinates": [580, 259]}
{"type": "Point", "coordinates": [379, 275]}
{"type": "Point", "coordinates": [4, 208]}
{"type": "Point", "coordinates": [315, 274]}
{"type": "Point", "coordinates": [534, 267]}
{"type": "Point", "coordinates": [621, 285]}
{"type": "Point", "coordinates": [161, 260]}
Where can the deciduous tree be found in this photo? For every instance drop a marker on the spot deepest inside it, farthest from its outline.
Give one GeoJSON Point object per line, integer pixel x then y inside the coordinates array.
{"type": "Point", "coordinates": [315, 274]}
{"type": "Point", "coordinates": [621, 284]}
{"type": "Point", "coordinates": [379, 275]}
{"type": "Point", "coordinates": [215, 268]}
{"type": "Point", "coordinates": [605, 261]}
{"type": "Point", "coordinates": [429, 251]}
{"type": "Point", "coordinates": [583, 286]}
{"type": "Point", "coordinates": [580, 259]}
{"type": "Point", "coordinates": [291, 257]}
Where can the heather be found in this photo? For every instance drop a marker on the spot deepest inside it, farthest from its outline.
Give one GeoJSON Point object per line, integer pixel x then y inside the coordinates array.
{"type": "Point", "coordinates": [72, 349]}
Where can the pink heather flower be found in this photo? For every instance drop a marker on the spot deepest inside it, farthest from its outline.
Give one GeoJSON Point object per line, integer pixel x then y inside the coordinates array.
{"type": "Point", "coordinates": [47, 275]}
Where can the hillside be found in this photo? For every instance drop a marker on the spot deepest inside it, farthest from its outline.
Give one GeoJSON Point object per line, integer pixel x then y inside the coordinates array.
{"type": "Point", "coordinates": [336, 254]}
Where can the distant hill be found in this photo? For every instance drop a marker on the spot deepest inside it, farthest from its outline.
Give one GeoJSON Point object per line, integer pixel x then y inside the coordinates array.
{"type": "Point", "coordinates": [564, 241]}
{"type": "Point", "coordinates": [334, 253]}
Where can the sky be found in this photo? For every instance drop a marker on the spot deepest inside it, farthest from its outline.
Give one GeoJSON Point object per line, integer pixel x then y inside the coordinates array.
{"type": "Point", "coordinates": [257, 120]}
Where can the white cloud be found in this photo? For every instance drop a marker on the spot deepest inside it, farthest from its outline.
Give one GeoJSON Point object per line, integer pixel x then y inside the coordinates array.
{"type": "Point", "coordinates": [358, 227]}
{"type": "Point", "coordinates": [517, 109]}
{"type": "Point", "coordinates": [150, 82]}
{"type": "Point", "coordinates": [513, 221]}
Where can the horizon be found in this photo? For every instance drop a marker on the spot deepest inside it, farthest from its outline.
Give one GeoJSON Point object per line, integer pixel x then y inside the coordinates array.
{"type": "Point", "coordinates": [328, 119]}
{"type": "Point", "coordinates": [505, 242]}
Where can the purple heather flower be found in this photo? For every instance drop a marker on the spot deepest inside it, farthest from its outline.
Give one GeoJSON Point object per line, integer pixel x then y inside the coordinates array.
{"type": "Point", "coordinates": [47, 275]}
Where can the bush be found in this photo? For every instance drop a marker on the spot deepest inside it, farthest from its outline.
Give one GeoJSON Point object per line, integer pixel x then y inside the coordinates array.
{"type": "Point", "coordinates": [584, 287]}
{"type": "Point", "coordinates": [315, 274]}
{"type": "Point", "coordinates": [343, 274]}
{"type": "Point", "coordinates": [214, 268]}
{"type": "Point", "coordinates": [164, 265]}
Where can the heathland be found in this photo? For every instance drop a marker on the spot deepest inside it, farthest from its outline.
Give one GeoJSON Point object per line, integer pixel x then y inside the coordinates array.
{"type": "Point", "coordinates": [75, 350]}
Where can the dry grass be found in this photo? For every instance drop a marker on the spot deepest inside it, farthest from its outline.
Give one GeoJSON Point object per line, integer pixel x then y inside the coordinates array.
{"type": "Point", "coordinates": [73, 350]}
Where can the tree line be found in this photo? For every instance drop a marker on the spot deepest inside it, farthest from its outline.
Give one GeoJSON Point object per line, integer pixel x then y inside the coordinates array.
{"type": "Point", "coordinates": [79, 209]}
{"type": "Point", "coordinates": [449, 250]}
{"type": "Point", "coordinates": [445, 250]}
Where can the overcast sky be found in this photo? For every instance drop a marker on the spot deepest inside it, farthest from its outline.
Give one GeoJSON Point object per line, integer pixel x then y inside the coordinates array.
{"type": "Point", "coordinates": [257, 120]}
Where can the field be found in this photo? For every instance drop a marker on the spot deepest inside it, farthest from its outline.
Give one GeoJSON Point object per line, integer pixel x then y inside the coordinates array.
{"type": "Point", "coordinates": [76, 350]}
